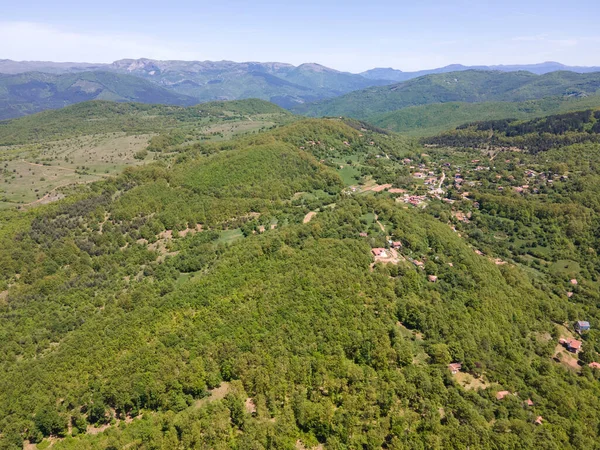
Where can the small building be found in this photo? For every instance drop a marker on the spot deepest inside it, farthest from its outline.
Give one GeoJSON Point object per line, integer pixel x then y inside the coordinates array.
{"type": "Point", "coordinates": [573, 282]}
{"type": "Point", "coordinates": [432, 278]}
{"type": "Point", "coordinates": [501, 394]}
{"type": "Point", "coordinates": [380, 252]}
{"type": "Point", "coordinates": [454, 368]}
{"type": "Point", "coordinates": [573, 345]}
{"type": "Point", "coordinates": [529, 402]}
{"type": "Point", "coordinates": [396, 244]}
{"type": "Point", "coordinates": [582, 325]}
{"type": "Point", "coordinates": [594, 365]}
{"type": "Point", "coordinates": [539, 420]}
{"type": "Point", "coordinates": [363, 234]}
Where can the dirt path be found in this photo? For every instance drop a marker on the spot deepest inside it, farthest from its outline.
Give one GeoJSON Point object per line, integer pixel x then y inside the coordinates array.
{"type": "Point", "coordinates": [442, 180]}
{"type": "Point", "coordinates": [53, 167]}
{"type": "Point", "coordinates": [379, 223]}
{"type": "Point", "coordinates": [309, 217]}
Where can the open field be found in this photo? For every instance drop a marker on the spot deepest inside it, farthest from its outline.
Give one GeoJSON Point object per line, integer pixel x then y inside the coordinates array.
{"type": "Point", "coordinates": [31, 172]}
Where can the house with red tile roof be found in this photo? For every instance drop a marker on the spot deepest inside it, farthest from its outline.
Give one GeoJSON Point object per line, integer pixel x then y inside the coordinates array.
{"type": "Point", "coordinates": [455, 367]}
{"type": "Point", "coordinates": [380, 252]}
{"type": "Point", "coordinates": [594, 365]}
{"type": "Point", "coordinates": [501, 394]}
{"type": "Point", "coordinates": [573, 345]}
{"type": "Point", "coordinates": [539, 420]}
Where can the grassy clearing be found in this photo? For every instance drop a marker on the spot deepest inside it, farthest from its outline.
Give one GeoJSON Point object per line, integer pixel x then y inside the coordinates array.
{"type": "Point", "coordinates": [229, 236]}
{"type": "Point", "coordinates": [30, 172]}
{"type": "Point", "coordinates": [565, 267]}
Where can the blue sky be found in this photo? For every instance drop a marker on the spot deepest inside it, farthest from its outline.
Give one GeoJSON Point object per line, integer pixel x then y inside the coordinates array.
{"type": "Point", "coordinates": [346, 35]}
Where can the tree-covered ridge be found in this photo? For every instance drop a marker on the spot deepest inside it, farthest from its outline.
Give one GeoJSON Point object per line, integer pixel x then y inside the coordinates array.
{"type": "Point", "coordinates": [471, 86]}
{"type": "Point", "coordinates": [131, 310]}
{"type": "Point", "coordinates": [432, 119]}
{"type": "Point", "coordinates": [534, 135]}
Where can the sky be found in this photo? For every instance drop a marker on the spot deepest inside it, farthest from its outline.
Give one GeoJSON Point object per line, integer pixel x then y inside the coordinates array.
{"type": "Point", "coordinates": [346, 35]}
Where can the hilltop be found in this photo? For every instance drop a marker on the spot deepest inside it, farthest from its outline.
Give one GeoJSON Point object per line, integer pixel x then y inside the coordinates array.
{"type": "Point", "coordinates": [469, 86]}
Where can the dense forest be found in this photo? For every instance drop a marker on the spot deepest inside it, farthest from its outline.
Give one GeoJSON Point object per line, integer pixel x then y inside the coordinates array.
{"type": "Point", "coordinates": [226, 296]}
{"type": "Point", "coordinates": [532, 135]}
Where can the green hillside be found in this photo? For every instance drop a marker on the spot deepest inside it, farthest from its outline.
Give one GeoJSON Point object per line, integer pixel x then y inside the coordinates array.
{"type": "Point", "coordinates": [534, 136]}
{"type": "Point", "coordinates": [32, 92]}
{"type": "Point", "coordinates": [44, 154]}
{"type": "Point", "coordinates": [227, 295]}
{"type": "Point", "coordinates": [470, 86]}
{"type": "Point", "coordinates": [427, 120]}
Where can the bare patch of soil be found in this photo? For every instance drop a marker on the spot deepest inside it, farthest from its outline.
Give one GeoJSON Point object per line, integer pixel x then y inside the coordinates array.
{"type": "Point", "coordinates": [309, 217]}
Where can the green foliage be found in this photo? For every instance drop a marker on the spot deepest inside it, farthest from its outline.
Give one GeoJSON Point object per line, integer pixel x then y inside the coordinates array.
{"type": "Point", "coordinates": [534, 135]}
{"type": "Point", "coordinates": [49, 422]}
{"type": "Point", "coordinates": [427, 120]}
{"type": "Point", "coordinates": [124, 307]}
{"type": "Point", "coordinates": [471, 86]}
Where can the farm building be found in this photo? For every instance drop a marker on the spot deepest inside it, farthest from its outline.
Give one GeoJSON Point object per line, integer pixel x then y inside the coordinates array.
{"type": "Point", "coordinates": [582, 325]}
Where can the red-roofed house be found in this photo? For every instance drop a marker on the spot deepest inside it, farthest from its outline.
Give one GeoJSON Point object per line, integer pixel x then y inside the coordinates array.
{"type": "Point", "coordinates": [539, 420]}
{"type": "Point", "coordinates": [363, 234]}
{"type": "Point", "coordinates": [529, 402]}
{"type": "Point", "coordinates": [380, 252]}
{"type": "Point", "coordinates": [594, 365]}
{"type": "Point", "coordinates": [396, 244]}
{"type": "Point", "coordinates": [573, 345]}
{"type": "Point", "coordinates": [574, 281]}
{"type": "Point", "coordinates": [432, 278]}
{"type": "Point", "coordinates": [501, 394]}
{"type": "Point", "coordinates": [455, 367]}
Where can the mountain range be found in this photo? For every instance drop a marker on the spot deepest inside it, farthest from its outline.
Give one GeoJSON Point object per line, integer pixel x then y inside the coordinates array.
{"type": "Point", "coordinates": [30, 86]}
{"type": "Point", "coordinates": [471, 86]}
{"type": "Point", "coordinates": [31, 92]}
{"type": "Point", "coordinates": [283, 84]}
{"type": "Point", "coordinates": [539, 69]}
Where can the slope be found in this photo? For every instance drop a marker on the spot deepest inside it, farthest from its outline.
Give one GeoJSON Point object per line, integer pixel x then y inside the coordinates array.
{"type": "Point", "coordinates": [426, 120]}
{"type": "Point", "coordinates": [45, 154]}
{"type": "Point", "coordinates": [467, 86]}
{"type": "Point", "coordinates": [533, 136]}
{"type": "Point", "coordinates": [33, 92]}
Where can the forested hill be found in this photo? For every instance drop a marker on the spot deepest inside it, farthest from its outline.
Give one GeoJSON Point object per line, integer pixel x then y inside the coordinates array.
{"type": "Point", "coordinates": [32, 92]}
{"type": "Point", "coordinates": [428, 120]}
{"type": "Point", "coordinates": [534, 135]}
{"type": "Point", "coordinates": [227, 296]}
{"type": "Point", "coordinates": [467, 86]}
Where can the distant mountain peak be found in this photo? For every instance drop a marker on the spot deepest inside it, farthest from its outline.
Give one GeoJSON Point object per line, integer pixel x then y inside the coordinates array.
{"type": "Point", "coordinates": [316, 68]}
